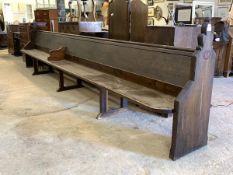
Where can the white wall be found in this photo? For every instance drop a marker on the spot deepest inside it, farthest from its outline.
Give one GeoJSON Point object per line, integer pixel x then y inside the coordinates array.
{"type": "Point", "coordinates": [17, 10]}
{"type": "Point", "coordinates": [164, 4]}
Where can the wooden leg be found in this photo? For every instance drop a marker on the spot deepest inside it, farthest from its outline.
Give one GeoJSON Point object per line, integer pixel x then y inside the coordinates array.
{"type": "Point", "coordinates": [124, 102]}
{"type": "Point", "coordinates": [35, 66]}
{"type": "Point", "coordinates": [62, 86]}
{"type": "Point", "coordinates": [61, 81]}
{"type": "Point", "coordinates": [28, 61]}
{"type": "Point", "coordinates": [51, 69]}
{"type": "Point", "coordinates": [79, 83]}
{"type": "Point", "coordinates": [103, 102]}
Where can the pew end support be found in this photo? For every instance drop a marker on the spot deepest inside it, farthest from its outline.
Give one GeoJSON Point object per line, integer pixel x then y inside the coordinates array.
{"type": "Point", "coordinates": [192, 105]}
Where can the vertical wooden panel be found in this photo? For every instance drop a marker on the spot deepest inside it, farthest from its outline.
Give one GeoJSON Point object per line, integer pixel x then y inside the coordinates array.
{"type": "Point", "coordinates": [119, 19]}
{"type": "Point", "coordinates": [160, 35]}
{"type": "Point", "coordinates": [228, 62]}
{"type": "Point", "coordinates": [138, 20]}
{"type": "Point", "coordinates": [192, 106]}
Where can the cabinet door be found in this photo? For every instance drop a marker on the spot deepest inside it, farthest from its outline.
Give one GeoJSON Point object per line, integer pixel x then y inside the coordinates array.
{"type": "Point", "coordinates": [119, 19]}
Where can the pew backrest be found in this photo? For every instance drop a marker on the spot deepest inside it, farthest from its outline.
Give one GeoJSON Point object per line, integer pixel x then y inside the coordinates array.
{"type": "Point", "coordinates": [170, 65]}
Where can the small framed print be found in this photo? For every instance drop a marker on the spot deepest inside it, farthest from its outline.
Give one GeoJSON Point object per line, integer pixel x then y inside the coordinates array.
{"type": "Point", "coordinates": [224, 2]}
{"type": "Point", "coordinates": [222, 11]}
{"type": "Point", "coordinates": [150, 2]}
{"type": "Point", "coordinates": [158, 13]}
{"type": "Point", "coordinates": [151, 11]}
{"type": "Point", "coordinates": [150, 22]}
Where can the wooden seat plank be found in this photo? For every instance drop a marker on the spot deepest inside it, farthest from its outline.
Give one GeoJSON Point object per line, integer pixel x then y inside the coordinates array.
{"type": "Point", "coordinates": [140, 94]}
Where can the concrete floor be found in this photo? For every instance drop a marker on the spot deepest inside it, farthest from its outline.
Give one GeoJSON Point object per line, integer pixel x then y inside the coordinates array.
{"type": "Point", "coordinates": [45, 132]}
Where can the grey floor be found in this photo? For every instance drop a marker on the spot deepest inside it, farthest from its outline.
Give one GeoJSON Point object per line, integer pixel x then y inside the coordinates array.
{"type": "Point", "coordinates": [45, 132]}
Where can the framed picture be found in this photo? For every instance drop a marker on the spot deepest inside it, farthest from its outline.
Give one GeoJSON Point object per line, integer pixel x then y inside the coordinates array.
{"type": "Point", "coordinates": [151, 11]}
{"type": "Point", "coordinates": [150, 2]}
{"type": "Point", "coordinates": [150, 22]}
{"type": "Point", "coordinates": [158, 13]}
{"type": "Point", "coordinates": [224, 2]}
{"type": "Point", "coordinates": [222, 11]}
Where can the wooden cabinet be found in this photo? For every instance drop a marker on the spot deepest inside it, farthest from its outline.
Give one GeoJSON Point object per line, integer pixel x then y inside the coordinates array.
{"type": "Point", "coordinates": [25, 33]}
{"type": "Point", "coordinates": [178, 36]}
{"type": "Point", "coordinates": [228, 67]}
{"type": "Point", "coordinates": [134, 26]}
{"type": "Point", "coordinates": [3, 39]}
{"type": "Point", "coordinates": [69, 27]}
{"type": "Point", "coordinates": [47, 19]}
{"type": "Point", "coordinates": [220, 50]}
{"type": "Point", "coordinates": [10, 39]}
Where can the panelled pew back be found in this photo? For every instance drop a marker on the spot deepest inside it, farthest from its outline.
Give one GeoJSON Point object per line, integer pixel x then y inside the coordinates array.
{"type": "Point", "coordinates": [145, 61]}
{"type": "Point", "coordinates": [185, 74]}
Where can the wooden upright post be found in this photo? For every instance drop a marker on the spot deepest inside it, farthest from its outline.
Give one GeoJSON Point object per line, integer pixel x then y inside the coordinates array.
{"type": "Point", "coordinates": [192, 106]}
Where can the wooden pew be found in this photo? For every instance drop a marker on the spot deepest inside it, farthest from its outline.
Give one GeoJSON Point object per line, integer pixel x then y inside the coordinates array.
{"type": "Point", "coordinates": [163, 79]}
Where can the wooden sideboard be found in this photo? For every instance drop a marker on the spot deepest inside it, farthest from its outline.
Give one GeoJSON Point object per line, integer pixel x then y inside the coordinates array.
{"type": "Point", "coordinates": [25, 33]}
{"type": "Point", "coordinates": [220, 50]}
{"type": "Point", "coordinates": [228, 66]}
{"type": "Point", "coordinates": [178, 36]}
{"type": "Point", "coordinates": [3, 39]}
{"type": "Point", "coordinates": [10, 31]}
{"type": "Point", "coordinates": [69, 27]}
{"type": "Point", "coordinates": [47, 19]}
{"type": "Point", "coordinates": [134, 26]}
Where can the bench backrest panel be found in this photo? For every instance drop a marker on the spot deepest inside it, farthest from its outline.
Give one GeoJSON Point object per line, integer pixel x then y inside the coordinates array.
{"type": "Point", "coordinates": [169, 65]}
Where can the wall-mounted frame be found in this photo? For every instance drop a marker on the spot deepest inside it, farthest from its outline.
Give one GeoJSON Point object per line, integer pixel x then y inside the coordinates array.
{"type": "Point", "coordinates": [205, 3]}
{"type": "Point", "coordinates": [151, 12]}
{"type": "Point", "coordinates": [183, 14]}
{"type": "Point", "coordinates": [150, 2]}
{"type": "Point", "coordinates": [222, 11]}
{"type": "Point", "coordinates": [224, 2]}
{"type": "Point", "coordinates": [150, 22]}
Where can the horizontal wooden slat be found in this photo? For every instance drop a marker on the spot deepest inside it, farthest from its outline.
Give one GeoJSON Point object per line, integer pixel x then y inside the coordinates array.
{"type": "Point", "coordinates": [147, 97]}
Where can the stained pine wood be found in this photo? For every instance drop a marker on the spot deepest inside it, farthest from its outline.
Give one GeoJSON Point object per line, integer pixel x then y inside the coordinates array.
{"type": "Point", "coordinates": [228, 66]}
{"type": "Point", "coordinates": [189, 72]}
{"type": "Point", "coordinates": [192, 106]}
{"type": "Point", "coordinates": [153, 99]}
{"type": "Point", "coordinates": [132, 56]}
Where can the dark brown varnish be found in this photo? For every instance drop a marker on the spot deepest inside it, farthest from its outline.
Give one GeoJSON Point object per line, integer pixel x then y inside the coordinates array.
{"type": "Point", "coordinates": [162, 78]}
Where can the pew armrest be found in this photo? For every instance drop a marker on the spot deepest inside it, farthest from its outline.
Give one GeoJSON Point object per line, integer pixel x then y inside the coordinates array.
{"type": "Point", "coordinates": [29, 46]}
{"type": "Point", "coordinates": [57, 55]}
